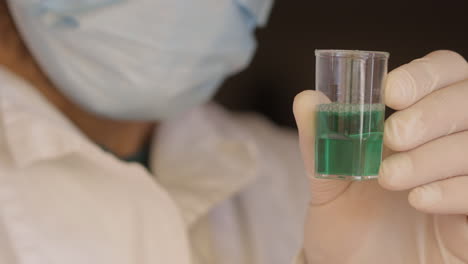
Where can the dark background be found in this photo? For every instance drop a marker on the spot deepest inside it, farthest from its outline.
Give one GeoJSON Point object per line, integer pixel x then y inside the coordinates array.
{"type": "Point", "coordinates": [284, 63]}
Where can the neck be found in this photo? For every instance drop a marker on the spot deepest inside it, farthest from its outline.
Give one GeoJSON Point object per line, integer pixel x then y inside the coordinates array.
{"type": "Point", "coordinates": [123, 138]}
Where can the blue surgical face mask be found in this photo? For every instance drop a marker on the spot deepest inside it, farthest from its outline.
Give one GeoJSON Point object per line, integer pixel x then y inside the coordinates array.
{"type": "Point", "coordinates": [139, 59]}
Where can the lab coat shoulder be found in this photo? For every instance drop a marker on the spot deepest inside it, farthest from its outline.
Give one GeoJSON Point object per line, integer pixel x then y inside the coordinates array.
{"type": "Point", "coordinates": [64, 200]}
{"type": "Point", "coordinates": [75, 210]}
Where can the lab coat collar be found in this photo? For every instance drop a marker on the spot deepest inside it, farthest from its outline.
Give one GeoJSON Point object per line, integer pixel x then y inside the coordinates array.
{"type": "Point", "coordinates": [204, 158]}
{"type": "Point", "coordinates": [201, 158]}
{"type": "Point", "coordinates": [31, 128]}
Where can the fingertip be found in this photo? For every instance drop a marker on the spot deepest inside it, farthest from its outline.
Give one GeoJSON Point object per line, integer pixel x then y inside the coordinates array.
{"type": "Point", "coordinates": [405, 129]}
{"type": "Point", "coordinates": [304, 108]}
{"type": "Point", "coordinates": [399, 90]}
{"type": "Point", "coordinates": [306, 101]}
{"type": "Point", "coordinates": [415, 197]}
{"type": "Point", "coordinates": [300, 100]}
{"type": "Point", "coordinates": [424, 198]}
{"type": "Point", "coordinates": [394, 171]}
{"type": "Point", "coordinates": [394, 134]}
{"type": "Point", "coordinates": [384, 178]}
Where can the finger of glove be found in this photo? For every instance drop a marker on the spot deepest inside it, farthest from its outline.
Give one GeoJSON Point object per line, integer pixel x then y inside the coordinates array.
{"type": "Point", "coordinates": [409, 83]}
{"type": "Point", "coordinates": [448, 196]}
{"type": "Point", "coordinates": [439, 114]}
{"type": "Point", "coordinates": [437, 160]}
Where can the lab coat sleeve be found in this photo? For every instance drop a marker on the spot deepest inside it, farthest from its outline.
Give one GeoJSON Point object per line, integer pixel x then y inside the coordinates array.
{"type": "Point", "coordinates": [282, 161]}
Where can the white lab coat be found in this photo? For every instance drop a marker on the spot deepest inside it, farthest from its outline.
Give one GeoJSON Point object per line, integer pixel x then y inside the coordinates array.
{"type": "Point", "coordinates": [226, 189]}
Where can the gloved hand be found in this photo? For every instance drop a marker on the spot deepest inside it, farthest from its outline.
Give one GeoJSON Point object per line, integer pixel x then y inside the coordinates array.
{"type": "Point", "coordinates": [417, 211]}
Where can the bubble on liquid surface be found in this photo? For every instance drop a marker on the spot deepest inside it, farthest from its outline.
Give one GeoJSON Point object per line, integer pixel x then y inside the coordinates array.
{"type": "Point", "coordinates": [350, 108]}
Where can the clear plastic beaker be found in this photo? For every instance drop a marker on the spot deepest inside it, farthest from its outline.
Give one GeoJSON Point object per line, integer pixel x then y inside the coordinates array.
{"type": "Point", "coordinates": [349, 129]}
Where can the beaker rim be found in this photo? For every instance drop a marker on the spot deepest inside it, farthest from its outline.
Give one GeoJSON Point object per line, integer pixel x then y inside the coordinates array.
{"type": "Point", "coordinates": [351, 53]}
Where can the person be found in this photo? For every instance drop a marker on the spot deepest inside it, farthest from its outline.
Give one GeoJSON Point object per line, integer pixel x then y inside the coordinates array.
{"type": "Point", "coordinates": [78, 182]}
{"type": "Point", "coordinates": [107, 78]}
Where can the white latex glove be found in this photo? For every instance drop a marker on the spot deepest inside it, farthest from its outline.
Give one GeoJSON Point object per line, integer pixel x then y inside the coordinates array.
{"type": "Point", "coordinates": [417, 211]}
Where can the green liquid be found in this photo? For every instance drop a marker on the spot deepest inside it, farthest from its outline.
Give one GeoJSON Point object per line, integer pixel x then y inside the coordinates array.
{"type": "Point", "coordinates": [349, 139]}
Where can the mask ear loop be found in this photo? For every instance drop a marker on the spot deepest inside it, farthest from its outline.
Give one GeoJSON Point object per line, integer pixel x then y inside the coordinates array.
{"type": "Point", "coordinates": [63, 13]}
